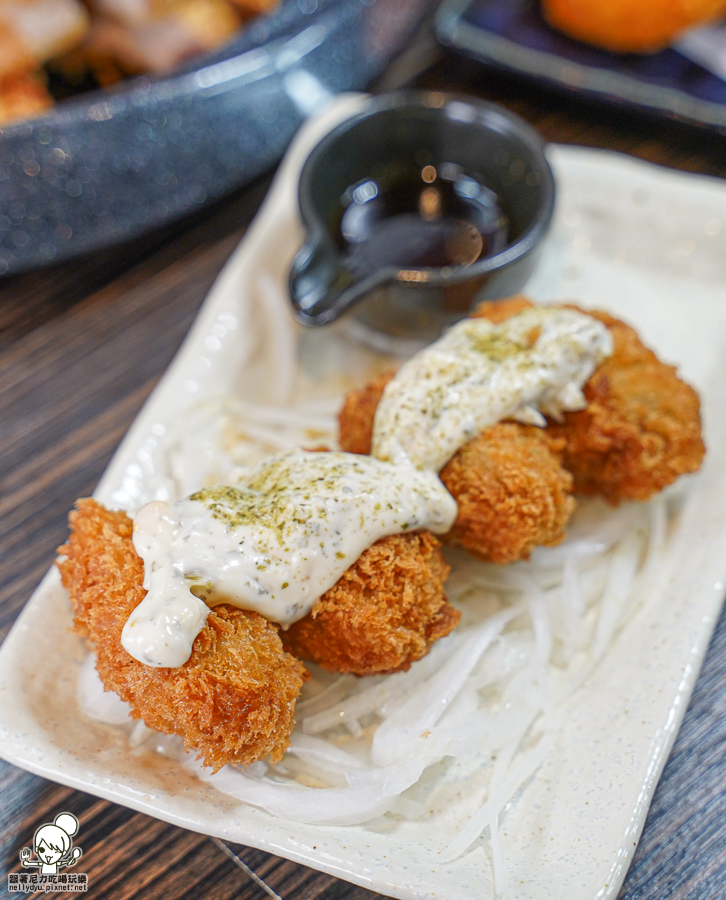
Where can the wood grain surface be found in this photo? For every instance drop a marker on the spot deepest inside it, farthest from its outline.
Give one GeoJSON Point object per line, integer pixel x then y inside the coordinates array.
{"type": "Point", "coordinates": [81, 347]}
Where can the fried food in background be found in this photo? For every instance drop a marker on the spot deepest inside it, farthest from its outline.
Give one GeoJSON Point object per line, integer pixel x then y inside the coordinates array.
{"type": "Point", "coordinates": [625, 26]}
{"type": "Point", "coordinates": [232, 701]}
{"type": "Point", "coordinates": [33, 31]}
{"type": "Point", "coordinates": [22, 96]}
{"type": "Point", "coordinates": [383, 614]}
{"type": "Point", "coordinates": [512, 492]}
{"type": "Point", "coordinates": [106, 40]}
{"type": "Point", "coordinates": [141, 37]}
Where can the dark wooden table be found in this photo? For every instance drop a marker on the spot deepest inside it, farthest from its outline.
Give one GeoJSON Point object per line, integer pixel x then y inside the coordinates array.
{"type": "Point", "coordinates": [81, 347]}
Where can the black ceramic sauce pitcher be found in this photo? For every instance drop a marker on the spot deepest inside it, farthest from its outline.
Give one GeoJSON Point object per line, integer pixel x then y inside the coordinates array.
{"type": "Point", "coordinates": [416, 208]}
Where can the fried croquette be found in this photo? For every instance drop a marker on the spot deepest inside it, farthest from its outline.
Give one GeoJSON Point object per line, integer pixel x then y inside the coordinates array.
{"type": "Point", "coordinates": [355, 420]}
{"type": "Point", "coordinates": [629, 26]}
{"type": "Point", "coordinates": [641, 428]}
{"type": "Point", "coordinates": [21, 97]}
{"type": "Point", "coordinates": [232, 701]}
{"type": "Point", "coordinates": [511, 490]}
{"type": "Point", "coordinates": [383, 614]}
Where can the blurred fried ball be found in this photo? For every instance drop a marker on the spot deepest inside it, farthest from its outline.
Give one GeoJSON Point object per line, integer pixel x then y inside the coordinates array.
{"type": "Point", "coordinates": [624, 26]}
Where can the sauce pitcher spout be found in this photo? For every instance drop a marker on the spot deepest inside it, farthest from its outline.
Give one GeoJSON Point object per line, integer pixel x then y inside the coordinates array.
{"type": "Point", "coordinates": [322, 287]}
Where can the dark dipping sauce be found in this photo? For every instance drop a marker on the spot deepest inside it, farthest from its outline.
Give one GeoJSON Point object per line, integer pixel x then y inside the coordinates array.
{"type": "Point", "coordinates": [430, 218]}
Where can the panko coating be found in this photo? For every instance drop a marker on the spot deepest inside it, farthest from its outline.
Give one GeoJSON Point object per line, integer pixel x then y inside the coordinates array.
{"type": "Point", "coordinates": [511, 490]}
{"type": "Point", "coordinates": [232, 701]}
{"type": "Point", "coordinates": [355, 419]}
{"type": "Point", "coordinates": [642, 426]}
{"type": "Point", "coordinates": [383, 614]}
{"type": "Point", "coordinates": [624, 26]}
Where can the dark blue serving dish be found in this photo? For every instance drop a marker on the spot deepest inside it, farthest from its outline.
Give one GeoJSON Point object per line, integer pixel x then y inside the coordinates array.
{"type": "Point", "coordinates": [111, 165]}
{"type": "Point", "coordinates": [512, 35]}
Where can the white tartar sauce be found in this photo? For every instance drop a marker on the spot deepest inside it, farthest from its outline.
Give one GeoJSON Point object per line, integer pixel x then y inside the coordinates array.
{"type": "Point", "coordinates": [478, 373]}
{"type": "Point", "coordinates": [273, 543]}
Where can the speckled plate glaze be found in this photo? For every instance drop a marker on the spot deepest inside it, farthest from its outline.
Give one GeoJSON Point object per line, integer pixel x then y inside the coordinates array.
{"type": "Point", "coordinates": [113, 165]}
{"type": "Point", "coordinates": [645, 243]}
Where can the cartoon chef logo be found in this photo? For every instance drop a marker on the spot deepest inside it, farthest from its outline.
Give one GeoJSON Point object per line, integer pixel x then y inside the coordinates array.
{"type": "Point", "coordinates": [53, 846]}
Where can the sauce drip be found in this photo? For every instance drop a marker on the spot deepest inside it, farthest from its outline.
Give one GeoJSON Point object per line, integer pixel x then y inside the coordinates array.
{"type": "Point", "coordinates": [478, 374]}
{"type": "Point", "coordinates": [273, 543]}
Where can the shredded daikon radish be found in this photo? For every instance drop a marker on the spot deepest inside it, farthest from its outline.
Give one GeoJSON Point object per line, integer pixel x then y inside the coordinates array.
{"type": "Point", "coordinates": [621, 575]}
{"type": "Point", "coordinates": [222, 434]}
{"type": "Point", "coordinates": [481, 708]}
{"type": "Point", "coordinates": [322, 699]}
{"type": "Point", "coordinates": [419, 714]}
{"type": "Point", "coordinates": [324, 753]}
{"type": "Point", "coordinates": [489, 689]}
{"type": "Point", "coordinates": [369, 794]}
{"type": "Point", "coordinates": [498, 797]}
{"type": "Point", "coordinates": [378, 698]}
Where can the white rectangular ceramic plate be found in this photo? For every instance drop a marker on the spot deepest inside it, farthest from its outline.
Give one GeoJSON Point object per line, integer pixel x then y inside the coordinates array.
{"type": "Point", "coordinates": [648, 245]}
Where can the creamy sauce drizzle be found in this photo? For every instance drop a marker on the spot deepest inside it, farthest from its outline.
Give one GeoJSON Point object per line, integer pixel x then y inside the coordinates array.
{"type": "Point", "coordinates": [478, 374]}
{"type": "Point", "coordinates": [272, 544]}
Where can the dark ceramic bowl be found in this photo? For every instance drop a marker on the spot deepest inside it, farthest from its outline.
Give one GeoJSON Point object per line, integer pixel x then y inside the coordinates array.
{"type": "Point", "coordinates": [455, 144]}
{"type": "Point", "coordinates": [111, 165]}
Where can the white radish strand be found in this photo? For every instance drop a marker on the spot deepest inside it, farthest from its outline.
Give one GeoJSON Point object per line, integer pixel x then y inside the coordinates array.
{"type": "Point", "coordinates": [377, 698]}
{"type": "Point", "coordinates": [370, 793]}
{"type": "Point", "coordinates": [302, 417]}
{"type": "Point", "coordinates": [275, 440]}
{"type": "Point", "coordinates": [498, 798]}
{"type": "Point", "coordinates": [422, 710]}
{"type": "Point", "coordinates": [323, 754]}
{"type": "Point", "coordinates": [573, 607]}
{"type": "Point", "coordinates": [321, 702]}
{"type": "Point", "coordinates": [621, 575]}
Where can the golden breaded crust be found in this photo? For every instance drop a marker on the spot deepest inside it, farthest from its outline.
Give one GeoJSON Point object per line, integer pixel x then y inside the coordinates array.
{"type": "Point", "coordinates": [383, 614]}
{"type": "Point", "coordinates": [355, 420]}
{"type": "Point", "coordinates": [642, 425]}
{"type": "Point", "coordinates": [512, 492]}
{"type": "Point", "coordinates": [641, 428]}
{"type": "Point", "coordinates": [511, 489]}
{"type": "Point", "coordinates": [498, 311]}
{"type": "Point", "coordinates": [232, 701]}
